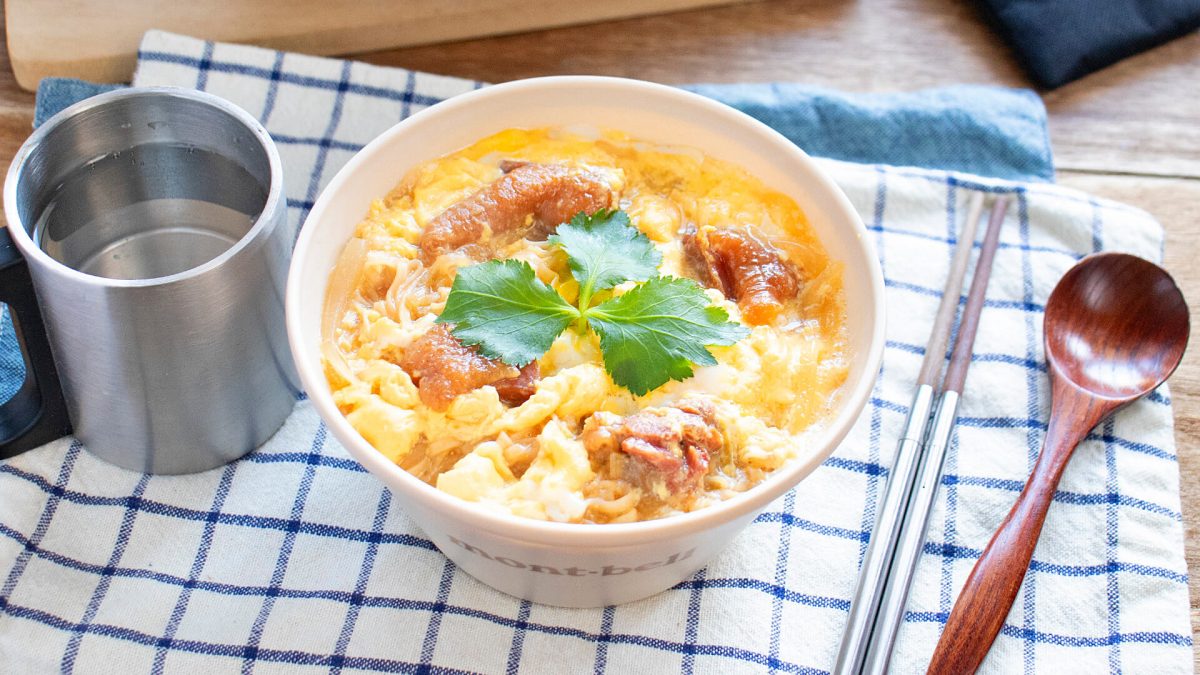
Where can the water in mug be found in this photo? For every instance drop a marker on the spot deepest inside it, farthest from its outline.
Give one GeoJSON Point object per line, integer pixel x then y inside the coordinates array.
{"type": "Point", "coordinates": [151, 211]}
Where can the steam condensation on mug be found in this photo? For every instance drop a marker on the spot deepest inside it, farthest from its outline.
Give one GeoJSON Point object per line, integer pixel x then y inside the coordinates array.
{"type": "Point", "coordinates": [141, 213]}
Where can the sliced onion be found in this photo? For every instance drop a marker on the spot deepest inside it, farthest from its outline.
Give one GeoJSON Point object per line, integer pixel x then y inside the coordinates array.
{"type": "Point", "coordinates": [343, 281]}
{"type": "Point", "coordinates": [410, 277]}
{"type": "Point", "coordinates": [333, 356]}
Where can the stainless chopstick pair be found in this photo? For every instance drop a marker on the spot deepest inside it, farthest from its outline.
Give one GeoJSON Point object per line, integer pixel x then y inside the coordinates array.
{"type": "Point", "coordinates": [877, 607]}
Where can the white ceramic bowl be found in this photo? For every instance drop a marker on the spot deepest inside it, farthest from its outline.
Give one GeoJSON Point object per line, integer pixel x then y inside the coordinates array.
{"type": "Point", "coordinates": [561, 563]}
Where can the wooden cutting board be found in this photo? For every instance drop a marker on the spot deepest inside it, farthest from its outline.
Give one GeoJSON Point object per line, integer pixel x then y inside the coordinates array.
{"type": "Point", "coordinates": [97, 40]}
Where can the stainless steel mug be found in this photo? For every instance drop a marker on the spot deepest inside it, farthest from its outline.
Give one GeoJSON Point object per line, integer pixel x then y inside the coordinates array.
{"type": "Point", "coordinates": [153, 224]}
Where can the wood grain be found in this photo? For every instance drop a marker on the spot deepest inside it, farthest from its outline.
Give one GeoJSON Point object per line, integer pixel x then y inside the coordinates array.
{"type": "Point", "coordinates": [103, 42]}
{"type": "Point", "coordinates": [1129, 133]}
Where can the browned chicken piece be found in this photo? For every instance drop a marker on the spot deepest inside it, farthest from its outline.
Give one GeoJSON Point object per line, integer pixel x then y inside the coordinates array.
{"type": "Point", "coordinates": [516, 390]}
{"type": "Point", "coordinates": [700, 258]}
{"type": "Point", "coordinates": [551, 193]}
{"type": "Point", "coordinates": [744, 268]}
{"type": "Point", "coordinates": [443, 368]}
{"type": "Point", "coordinates": [668, 446]}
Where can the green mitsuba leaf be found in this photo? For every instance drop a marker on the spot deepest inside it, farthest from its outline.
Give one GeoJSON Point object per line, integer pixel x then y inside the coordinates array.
{"type": "Point", "coordinates": [605, 249]}
{"type": "Point", "coordinates": [656, 331]}
{"type": "Point", "coordinates": [502, 307]}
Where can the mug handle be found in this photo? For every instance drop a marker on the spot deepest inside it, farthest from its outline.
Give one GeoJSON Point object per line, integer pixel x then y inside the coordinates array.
{"type": "Point", "coordinates": [37, 413]}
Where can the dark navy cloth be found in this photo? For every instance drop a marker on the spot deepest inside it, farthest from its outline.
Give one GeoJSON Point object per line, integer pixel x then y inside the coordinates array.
{"type": "Point", "coordinates": [1062, 40]}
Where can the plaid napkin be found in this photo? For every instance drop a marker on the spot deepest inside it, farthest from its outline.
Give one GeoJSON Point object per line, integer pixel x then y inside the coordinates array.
{"type": "Point", "coordinates": [294, 558]}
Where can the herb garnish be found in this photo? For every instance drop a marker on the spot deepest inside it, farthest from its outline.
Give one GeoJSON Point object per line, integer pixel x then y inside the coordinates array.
{"type": "Point", "coordinates": [653, 333]}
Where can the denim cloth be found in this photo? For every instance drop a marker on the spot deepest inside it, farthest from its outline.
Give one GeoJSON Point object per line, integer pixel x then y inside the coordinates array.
{"type": "Point", "coordinates": [56, 93]}
{"type": "Point", "coordinates": [12, 365]}
{"type": "Point", "coordinates": [988, 131]}
{"type": "Point", "coordinates": [982, 130]}
{"type": "Point", "coordinates": [295, 559]}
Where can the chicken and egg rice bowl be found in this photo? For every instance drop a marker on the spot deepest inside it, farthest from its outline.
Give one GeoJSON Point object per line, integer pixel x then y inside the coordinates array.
{"type": "Point", "coordinates": [623, 411]}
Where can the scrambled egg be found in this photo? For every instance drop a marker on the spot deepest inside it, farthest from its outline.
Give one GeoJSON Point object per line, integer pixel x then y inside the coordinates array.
{"type": "Point", "coordinates": [767, 389]}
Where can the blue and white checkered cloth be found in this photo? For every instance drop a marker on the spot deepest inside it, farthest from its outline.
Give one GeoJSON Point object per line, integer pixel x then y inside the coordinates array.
{"type": "Point", "coordinates": [295, 559]}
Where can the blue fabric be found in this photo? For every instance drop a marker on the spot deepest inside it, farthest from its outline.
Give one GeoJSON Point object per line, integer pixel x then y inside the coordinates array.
{"type": "Point", "coordinates": [1059, 41]}
{"type": "Point", "coordinates": [12, 366]}
{"type": "Point", "coordinates": [988, 131]}
{"type": "Point", "coordinates": [56, 93]}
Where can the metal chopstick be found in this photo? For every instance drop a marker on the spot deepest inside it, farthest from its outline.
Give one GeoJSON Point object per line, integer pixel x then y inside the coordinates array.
{"type": "Point", "coordinates": [920, 503]}
{"type": "Point", "coordinates": [880, 550]}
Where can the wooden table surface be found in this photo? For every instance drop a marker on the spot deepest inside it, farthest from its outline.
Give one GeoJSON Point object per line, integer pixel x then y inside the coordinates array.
{"type": "Point", "coordinates": [1130, 132]}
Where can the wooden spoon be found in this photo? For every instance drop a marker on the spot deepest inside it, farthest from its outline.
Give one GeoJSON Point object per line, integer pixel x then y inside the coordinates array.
{"type": "Point", "coordinates": [1116, 327]}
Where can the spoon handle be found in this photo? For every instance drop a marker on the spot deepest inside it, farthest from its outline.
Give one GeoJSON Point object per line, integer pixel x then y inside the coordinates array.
{"type": "Point", "coordinates": [985, 600]}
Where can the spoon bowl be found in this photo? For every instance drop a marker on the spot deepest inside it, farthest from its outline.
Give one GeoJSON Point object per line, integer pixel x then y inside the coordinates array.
{"type": "Point", "coordinates": [1115, 328]}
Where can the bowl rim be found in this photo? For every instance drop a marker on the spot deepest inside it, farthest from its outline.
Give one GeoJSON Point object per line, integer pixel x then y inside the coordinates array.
{"type": "Point", "coordinates": [591, 535]}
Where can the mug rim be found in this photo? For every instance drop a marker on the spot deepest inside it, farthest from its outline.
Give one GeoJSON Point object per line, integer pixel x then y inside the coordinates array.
{"type": "Point", "coordinates": [34, 253]}
{"type": "Point", "coordinates": [579, 534]}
